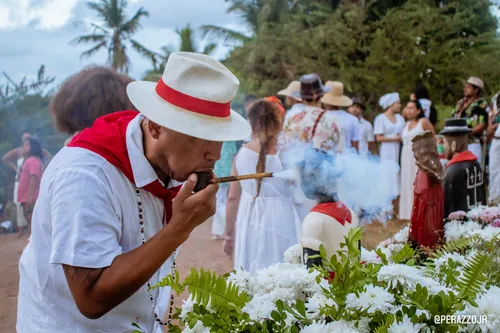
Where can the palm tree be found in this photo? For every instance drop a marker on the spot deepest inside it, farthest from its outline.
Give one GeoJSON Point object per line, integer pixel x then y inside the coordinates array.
{"type": "Point", "coordinates": [115, 33]}
{"type": "Point", "coordinates": [188, 44]}
{"type": "Point", "coordinates": [254, 13]}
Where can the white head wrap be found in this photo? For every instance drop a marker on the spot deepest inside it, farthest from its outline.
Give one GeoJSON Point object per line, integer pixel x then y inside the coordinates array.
{"type": "Point", "coordinates": [426, 106]}
{"type": "Point", "coordinates": [494, 102]}
{"type": "Point", "coordinates": [388, 99]}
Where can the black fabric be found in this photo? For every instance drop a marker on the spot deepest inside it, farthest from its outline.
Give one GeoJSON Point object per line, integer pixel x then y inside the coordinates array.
{"type": "Point", "coordinates": [310, 263]}
{"type": "Point", "coordinates": [464, 187]}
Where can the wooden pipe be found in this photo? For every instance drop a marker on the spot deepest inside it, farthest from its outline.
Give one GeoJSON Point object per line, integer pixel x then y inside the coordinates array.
{"type": "Point", "coordinates": [241, 177]}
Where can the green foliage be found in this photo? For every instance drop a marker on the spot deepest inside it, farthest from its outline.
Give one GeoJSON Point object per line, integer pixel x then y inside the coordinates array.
{"type": "Point", "coordinates": [115, 33]}
{"type": "Point", "coordinates": [476, 272]}
{"type": "Point", "coordinates": [374, 48]}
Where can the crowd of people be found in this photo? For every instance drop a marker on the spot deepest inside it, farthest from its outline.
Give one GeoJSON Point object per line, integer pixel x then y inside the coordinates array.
{"type": "Point", "coordinates": [112, 196]}
{"type": "Point", "coordinates": [323, 116]}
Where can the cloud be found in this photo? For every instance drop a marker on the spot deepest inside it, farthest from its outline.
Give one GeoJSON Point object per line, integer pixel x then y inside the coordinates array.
{"type": "Point", "coordinates": [36, 32]}
{"type": "Point", "coordinates": [47, 15]}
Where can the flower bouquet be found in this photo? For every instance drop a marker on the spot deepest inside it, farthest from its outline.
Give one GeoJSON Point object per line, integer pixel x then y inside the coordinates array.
{"type": "Point", "coordinates": [356, 290]}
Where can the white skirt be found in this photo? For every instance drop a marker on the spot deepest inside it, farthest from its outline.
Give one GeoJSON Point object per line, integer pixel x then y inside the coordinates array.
{"type": "Point", "coordinates": [265, 229]}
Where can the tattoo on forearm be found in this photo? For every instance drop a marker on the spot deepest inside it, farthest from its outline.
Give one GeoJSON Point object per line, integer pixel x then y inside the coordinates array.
{"type": "Point", "coordinates": [87, 276]}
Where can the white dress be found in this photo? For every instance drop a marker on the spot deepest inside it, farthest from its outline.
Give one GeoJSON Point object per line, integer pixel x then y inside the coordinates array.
{"type": "Point", "coordinates": [389, 151]}
{"type": "Point", "coordinates": [408, 170]}
{"type": "Point", "coordinates": [494, 186]}
{"type": "Point", "coordinates": [267, 225]}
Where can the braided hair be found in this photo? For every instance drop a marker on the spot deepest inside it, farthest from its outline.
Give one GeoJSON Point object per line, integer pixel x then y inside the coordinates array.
{"type": "Point", "coordinates": [266, 120]}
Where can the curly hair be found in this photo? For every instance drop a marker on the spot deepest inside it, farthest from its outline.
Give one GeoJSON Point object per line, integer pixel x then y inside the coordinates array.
{"type": "Point", "coordinates": [266, 120]}
{"type": "Point", "coordinates": [88, 95]}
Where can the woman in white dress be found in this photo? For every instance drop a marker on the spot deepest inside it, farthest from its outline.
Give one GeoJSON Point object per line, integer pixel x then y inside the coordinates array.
{"type": "Point", "coordinates": [417, 123]}
{"type": "Point", "coordinates": [494, 166]}
{"type": "Point", "coordinates": [388, 129]}
{"type": "Point", "coordinates": [261, 220]}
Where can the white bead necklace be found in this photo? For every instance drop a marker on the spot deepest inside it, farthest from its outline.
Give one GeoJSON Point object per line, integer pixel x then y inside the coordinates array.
{"type": "Point", "coordinates": [141, 221]}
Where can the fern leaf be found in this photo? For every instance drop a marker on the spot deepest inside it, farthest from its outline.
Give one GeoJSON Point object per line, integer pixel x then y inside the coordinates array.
{"type": "Point", "coordinates": [458, 245]}
{"type": "Point", "coordinates": [207, 288]}
{"type": "Point", "coordinates": [474, 275]}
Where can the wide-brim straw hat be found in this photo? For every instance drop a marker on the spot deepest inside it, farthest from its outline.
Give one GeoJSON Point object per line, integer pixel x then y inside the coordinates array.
{"type": "Point", "coordinates": [475, 81]}
{"type": "Point", "coordinates": [293, 91]}
{"type": "Point", "coordinates": [336, 95]}
{"type": "Point", "coordinates": [455, 127]}
{"type": "Point", "coordinates": [192, 97]}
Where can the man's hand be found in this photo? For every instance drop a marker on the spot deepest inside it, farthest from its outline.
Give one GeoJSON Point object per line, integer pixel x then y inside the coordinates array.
{"type": "Point", "coordinates": [190, 210]}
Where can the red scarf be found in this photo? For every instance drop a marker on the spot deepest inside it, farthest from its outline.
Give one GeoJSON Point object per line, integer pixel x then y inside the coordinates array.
{"type": "Point", "coordinates": [465, 156]}
{"type": "Point", "coordinates": [107, 138]}
{"type": "Point", "coordinates": [337, 210]}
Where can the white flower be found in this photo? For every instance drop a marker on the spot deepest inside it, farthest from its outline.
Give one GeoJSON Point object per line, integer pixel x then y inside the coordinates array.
{"type": "Point", "coordinates": [402, 235]}
{"type": "Point", "coordinates": [315, 327]}
{"type": "Point", "coordinates": [405, 326]}
{"type": "Point", "coordinates": [370, 256]}
{"type": "Point", "coordinates": [293, 255]}
{"type": "Point", "coordinates": [317, 302]}
{"type": "Point", "coordinates": [487, 233]}
{"type": "Point", "coordinates": [398, 274]}
{"type": "Point", "coordinates": [363, 325]}
{"type": "Point", "coordinates": [433, 286]}
{"type": "Point", "coordinates": [456, 257]}
{"type": "Point", "coordinates": [260, 307]}
{"type": "Point", "coordinates": [198, 328]}
{"type": "Point", "coordinates": [488, 304]}
{"type": "Point", "coordinates": [373, 299]}
{"type": "Point", "coordinates": [241, 279]}
{"type": "Point", "coordinates": [429, 71]}
{"type": "Point", "coordinates": [341, 326]}
{"type": "Point", "coordinates": [187, 307]}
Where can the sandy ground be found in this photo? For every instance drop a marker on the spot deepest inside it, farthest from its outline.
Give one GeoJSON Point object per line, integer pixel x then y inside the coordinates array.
{"type": "Point", "coordinates": [199, 251]}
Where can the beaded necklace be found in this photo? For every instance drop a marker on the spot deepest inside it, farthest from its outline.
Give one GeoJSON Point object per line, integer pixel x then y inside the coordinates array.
{"type": "Point", "coordinates": [141, 221]}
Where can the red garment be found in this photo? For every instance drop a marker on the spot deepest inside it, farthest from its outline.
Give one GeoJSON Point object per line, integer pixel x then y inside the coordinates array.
{"type": "Point", "coordinates": [426, 226]}
{"type": "Point", "coordinates": [337, 210]}
{"type": "Point", "coordinates": [107, 138]}
{"type": "Point", "coordinates": [465, 156]}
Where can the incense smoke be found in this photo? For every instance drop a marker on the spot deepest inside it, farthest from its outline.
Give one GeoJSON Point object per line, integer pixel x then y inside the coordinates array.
{"type": "Point", "coordinates": [363, 183]}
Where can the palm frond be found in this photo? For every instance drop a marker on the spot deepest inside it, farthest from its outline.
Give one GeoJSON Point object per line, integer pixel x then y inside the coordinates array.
{"type": "Point", "coordinates": [215, 32]}
{"type": "Point", "coordinates": [88, 39]}
{"type": "Point", "coordinates": [210, 48]}
{"type": "Point", "coordinates": [93, 50]}
{"type": "Point", "coordinates": [132, 25]}
{"type": "Point", "coordinates": [142, 50]}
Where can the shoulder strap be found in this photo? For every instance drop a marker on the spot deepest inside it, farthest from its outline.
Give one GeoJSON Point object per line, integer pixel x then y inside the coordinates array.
{"type": "Point", "coordinates": [316, 123]}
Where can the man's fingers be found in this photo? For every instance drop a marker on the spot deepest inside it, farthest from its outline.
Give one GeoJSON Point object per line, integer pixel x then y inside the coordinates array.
{"type": "Point", "coordinates": [187, 188]}
{"type": "Point", "coordinates": [207, 193]}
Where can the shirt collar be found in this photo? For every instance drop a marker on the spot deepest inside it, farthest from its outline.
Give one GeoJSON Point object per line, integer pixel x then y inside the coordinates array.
{"type": "Point", "coordinates": [142, 170]}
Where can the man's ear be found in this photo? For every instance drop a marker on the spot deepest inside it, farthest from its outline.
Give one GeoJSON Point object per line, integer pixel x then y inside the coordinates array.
{"type": "Point", "coordinates": [154, 129]}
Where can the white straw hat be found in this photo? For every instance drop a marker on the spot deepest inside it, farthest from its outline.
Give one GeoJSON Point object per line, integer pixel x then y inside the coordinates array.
{"type": "Point", "coordinates": [336, 95]}
{"type": "Point", "coordinates": [475, 81]}
{"type": "Point", "coordinates": [293, 90]}
{"type": "Point", "coordinates": [192, 97]}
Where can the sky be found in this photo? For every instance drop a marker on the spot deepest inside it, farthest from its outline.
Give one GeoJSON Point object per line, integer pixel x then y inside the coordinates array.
{"type": "Point", "coordinates": [36, 32]}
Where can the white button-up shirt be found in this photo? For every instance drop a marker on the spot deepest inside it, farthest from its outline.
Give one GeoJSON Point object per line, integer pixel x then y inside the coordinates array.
{"type": "Point", "coordinates": [366, 135]}
{"type": "Point", "coordinates": [87, 215]}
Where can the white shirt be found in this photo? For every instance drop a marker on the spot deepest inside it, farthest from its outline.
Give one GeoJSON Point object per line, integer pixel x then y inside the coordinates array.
{"type": "Point", "coordinates": [366, 135]}
{"type": "Point", "coordinates": [349, 125]}
{"type": "Point", "coordinates": [87, 215]}
{"type": "Point", "coordinates": [383, 126]}
{"type": "Point", "coordinates": [296, 108]}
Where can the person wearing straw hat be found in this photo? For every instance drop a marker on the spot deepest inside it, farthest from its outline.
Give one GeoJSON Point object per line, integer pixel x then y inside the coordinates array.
{"type": "Point", "coordinates": [475, 110]}
{"type": "Point", "coordinates": [333, 102]}
{"type": "Point", "coordinates": [111, 213]}
{"type": "Point", "coordinates": [464, 186]}
{"type": "Point", "coordinates": [312, 126]}
{"type": "Point", "coordinates": [292, 99]}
